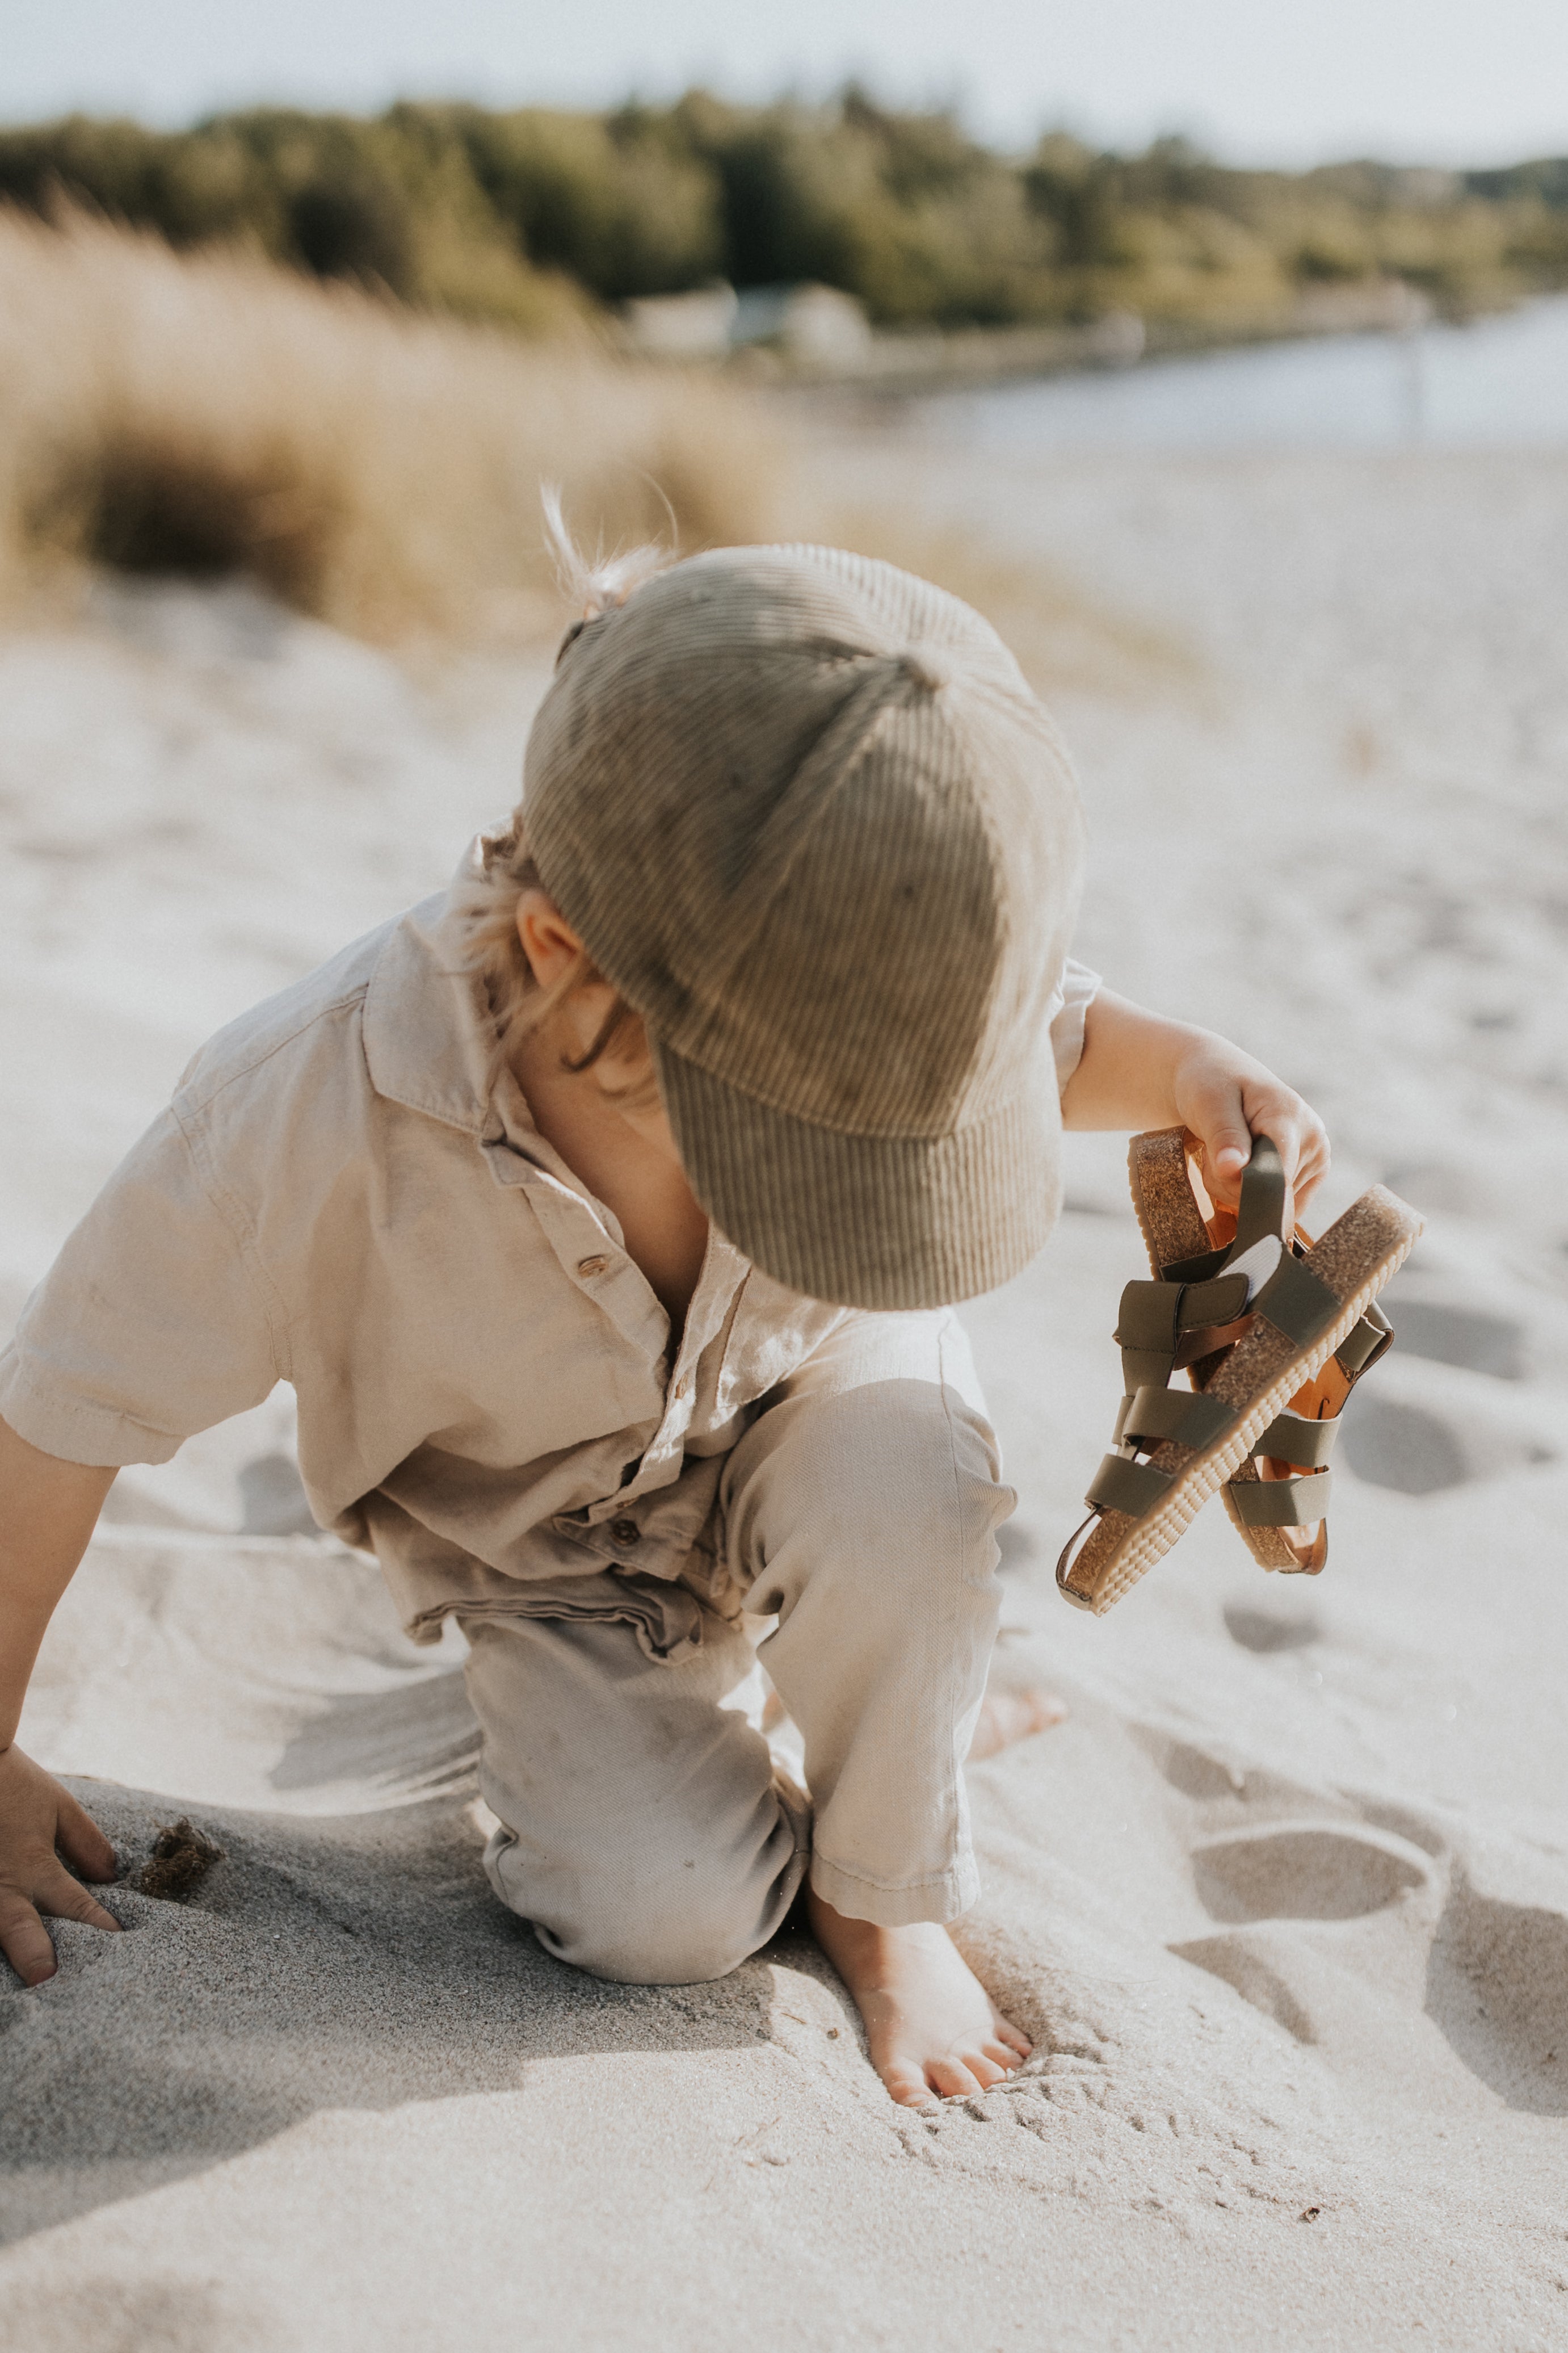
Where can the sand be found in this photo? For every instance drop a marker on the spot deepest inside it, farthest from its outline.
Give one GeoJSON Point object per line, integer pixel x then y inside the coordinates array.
{"type": "Point", "coordinates": [1284, 1901]}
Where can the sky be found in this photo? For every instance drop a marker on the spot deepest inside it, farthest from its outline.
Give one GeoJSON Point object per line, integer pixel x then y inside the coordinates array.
{"type": "Point", "coordinates": [1287, 81]}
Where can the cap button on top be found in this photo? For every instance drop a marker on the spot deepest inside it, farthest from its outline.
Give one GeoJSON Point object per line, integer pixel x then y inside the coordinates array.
{"type": "Point", "coordinates": [625, 1532]}
{"type": "Point", "coordinates": [931, 667]}
{"type": "Point", "coordinates": [595, 1265]}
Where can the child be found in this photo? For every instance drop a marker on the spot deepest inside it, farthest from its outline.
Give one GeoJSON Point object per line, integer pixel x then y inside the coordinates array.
{"type": "Point", "coordinates": [606, 1215]}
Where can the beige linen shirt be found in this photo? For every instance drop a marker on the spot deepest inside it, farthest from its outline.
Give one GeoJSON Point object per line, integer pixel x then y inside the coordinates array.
{"type": "Point", "coordinates": [483, 1374]}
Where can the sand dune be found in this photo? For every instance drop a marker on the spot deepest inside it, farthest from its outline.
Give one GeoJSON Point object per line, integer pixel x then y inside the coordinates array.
{"type": "Point", "coordinates": [1285, 1900]}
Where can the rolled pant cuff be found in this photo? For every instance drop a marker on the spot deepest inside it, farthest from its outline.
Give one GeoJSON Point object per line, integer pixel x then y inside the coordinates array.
{"type": "Point", "coordinates": [940, 1900]}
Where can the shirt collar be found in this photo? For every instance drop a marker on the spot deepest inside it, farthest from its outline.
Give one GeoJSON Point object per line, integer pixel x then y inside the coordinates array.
{"type": "Point", "coordinates": [430, 1037]}
{"type": "Point", "coordinates": [428, 1031]}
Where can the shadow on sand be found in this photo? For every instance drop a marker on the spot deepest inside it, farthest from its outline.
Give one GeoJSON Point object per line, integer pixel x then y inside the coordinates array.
{"type": "Point", "coordinates": [348, 1963]}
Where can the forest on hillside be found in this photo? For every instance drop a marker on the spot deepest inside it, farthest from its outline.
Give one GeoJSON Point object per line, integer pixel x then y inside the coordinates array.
{"type": "Point", "coordinates": [535, 217]}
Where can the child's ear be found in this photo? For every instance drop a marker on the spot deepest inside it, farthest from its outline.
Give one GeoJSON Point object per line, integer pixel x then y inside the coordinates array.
{"type": "Point", "coordinates": [549, 942]}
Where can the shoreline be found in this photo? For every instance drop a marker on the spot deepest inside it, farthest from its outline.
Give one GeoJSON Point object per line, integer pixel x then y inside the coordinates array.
{"type": "Point", "coordinates": [915, 363]}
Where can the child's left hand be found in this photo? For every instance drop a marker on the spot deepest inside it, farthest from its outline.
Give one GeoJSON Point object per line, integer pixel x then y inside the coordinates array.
{"type": "Point", "coordinates": [1227, 1098]}
{"type": "Point", "coordinates": [1140, 1070]}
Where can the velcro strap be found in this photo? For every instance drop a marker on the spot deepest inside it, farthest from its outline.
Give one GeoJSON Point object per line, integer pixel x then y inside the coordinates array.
{"type": "Point", "coordinates": [1365, 1342]}
{"type": "Point", "coordinates": [1192, 1418]}
{"type": "Point", "coordinates": [1282, 1502]}
{"type": "Point", "coordinates": [1296, 1302]}
{"type": "Point", "coordinates": [1147, 1332]}
{"type": "Point", "coordinates": [1220, 1301]}
{"type": "Point", "coordinates": [1121, 1486]}
{"type": "Point", "coordinates": [1292, 1438]}
{"type": "Point", "coordinates": [1149, 1316]}
{"type": "Point", "coordinates": [1161, 1326]}
{"type": "Point", "coordinates": [1153, 1316]}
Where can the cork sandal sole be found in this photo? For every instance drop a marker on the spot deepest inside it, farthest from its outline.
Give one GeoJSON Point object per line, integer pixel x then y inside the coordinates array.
{"type": "Point", "coordinates": [1253, 1380]}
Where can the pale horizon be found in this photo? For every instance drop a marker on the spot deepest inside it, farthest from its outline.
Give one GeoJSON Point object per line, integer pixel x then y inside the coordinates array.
{"type": "Point", "coordinates": [1452, 83]}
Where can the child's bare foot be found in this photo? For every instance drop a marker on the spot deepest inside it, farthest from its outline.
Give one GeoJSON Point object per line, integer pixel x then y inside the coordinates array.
{"type": "Point", "coordinates": [931, 2023]}
{"type": "Point", "coordinates": [1009, 1715]}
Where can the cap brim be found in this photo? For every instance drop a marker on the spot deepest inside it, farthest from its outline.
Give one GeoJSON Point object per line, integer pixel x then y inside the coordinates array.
{"type": "Point", "coordinates": [870, 1221]}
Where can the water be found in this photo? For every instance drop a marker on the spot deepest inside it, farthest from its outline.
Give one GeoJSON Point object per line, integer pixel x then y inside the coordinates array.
{"type": "Point", "coordinates": [1501, 382]}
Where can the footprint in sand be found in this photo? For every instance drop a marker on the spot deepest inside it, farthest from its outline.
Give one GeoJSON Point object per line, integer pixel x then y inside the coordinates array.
{"type": "Point", "coordinates": [1474, 1337]}
{"type": "Point", "coordinates": [1496, 1986]}
{"type": "Point", "coordinates": [1259, 1884]}
{"type": "Point", "coordinates": [1423, 1445]}
{"type": "Point", "coordinates": [1306, 1871]}
{"type": "Point", "coordinates": [1407, 1447]}
{"type": "Point", "coordinates": [1418, 1451]}
{"type": "Point", "coordinates": [1271, 1629]}
{"type": "Point", "coordinates": [1489, 1974]}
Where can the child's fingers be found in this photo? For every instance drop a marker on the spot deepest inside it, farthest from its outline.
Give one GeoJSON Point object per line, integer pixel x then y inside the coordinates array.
{"type": "Point", "coordinates": [82, 1843]}
{"type": "Point", "coordinates": [1227, 1146]}
{"type": "Point", "coordinates": [1303, 1146]}
{"type": "Point", "coordinates": [24, 1940]}
{"type": "Point", "coordinates": [65, 1898]}
{"type": "Point", "coordinates": [1218, 1119]}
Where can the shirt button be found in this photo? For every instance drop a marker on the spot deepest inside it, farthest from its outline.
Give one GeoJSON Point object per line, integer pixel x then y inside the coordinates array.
{"type": "Point", "coordinates": [591, 1265]}
{"type": "Point", "coordinates": [625, 1532]}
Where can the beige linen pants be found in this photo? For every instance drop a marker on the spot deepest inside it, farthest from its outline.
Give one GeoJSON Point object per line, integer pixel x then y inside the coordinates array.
{"type": "Point", "coordinates": [645, 1832]}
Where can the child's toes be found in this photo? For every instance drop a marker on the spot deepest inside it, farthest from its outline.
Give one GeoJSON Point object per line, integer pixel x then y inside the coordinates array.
{"type": "Point", "coordinates": [908, 2086]}
{"type": "Point", "coordinates": [984, 2070]}
{"type": "Point", "coordinates": [1019, 2044]}
{"type": "Point", "coordinates": [952, 2079]}
{"type": "Point", "coordinates": [1001, 2056]}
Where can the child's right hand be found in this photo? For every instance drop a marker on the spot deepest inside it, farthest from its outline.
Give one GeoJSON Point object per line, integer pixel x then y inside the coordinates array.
{"type": "Point", "coordinates": [40, 1822]}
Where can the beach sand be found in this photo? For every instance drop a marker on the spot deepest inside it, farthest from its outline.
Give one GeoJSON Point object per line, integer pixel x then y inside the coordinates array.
{"type": "Point", "coordinates": [1284, 1901]}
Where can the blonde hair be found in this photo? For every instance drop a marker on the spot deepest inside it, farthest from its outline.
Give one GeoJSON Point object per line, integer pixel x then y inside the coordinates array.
{"type": "Point", "coordinates": [519, 1004]}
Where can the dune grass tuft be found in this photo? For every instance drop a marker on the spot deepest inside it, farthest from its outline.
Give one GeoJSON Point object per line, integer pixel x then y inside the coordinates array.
{"type": "Point", "coordinates": [207, 414]}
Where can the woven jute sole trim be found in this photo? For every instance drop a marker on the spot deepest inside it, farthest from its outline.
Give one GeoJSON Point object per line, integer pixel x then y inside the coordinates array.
{"type": "Point", "coordinates": [1150, 1538]}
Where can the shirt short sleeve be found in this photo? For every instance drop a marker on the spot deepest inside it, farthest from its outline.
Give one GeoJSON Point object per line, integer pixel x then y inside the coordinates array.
{"type": "Point", "coordinates": [155, 1322]}
{"type": "Point", "coordinates": [1074, 993]}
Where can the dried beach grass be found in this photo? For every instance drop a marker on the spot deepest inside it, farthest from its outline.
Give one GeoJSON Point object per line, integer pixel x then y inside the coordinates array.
{"type": "Point", "coordinates": [209, 413]}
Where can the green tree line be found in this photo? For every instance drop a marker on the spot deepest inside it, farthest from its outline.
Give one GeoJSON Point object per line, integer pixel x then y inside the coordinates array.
{"type": "Point", "coordinates": [527, 216]}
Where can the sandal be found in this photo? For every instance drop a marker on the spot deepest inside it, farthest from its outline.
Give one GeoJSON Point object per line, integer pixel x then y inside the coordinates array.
{"type": "Point", "coordinates": [1273, 1340]}
{"type": "Point", "coordinates": [1271, 1503]}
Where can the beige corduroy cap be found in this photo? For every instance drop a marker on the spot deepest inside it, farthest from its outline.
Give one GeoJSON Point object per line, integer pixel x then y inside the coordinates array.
{"type": "Point", "coordinates": [807, 816]}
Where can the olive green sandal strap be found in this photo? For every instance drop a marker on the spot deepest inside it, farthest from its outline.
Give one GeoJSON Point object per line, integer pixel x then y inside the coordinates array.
{"type": "Point", "coordinates": [1282, 1502]}
{"type": "Point", "coordinates": [1161, 1326]}
{"type": "Point", "coordinates": [1122, 1485]}
{"type": "Point", "coordinates": [1296, 1302]}
{"type": "Point", "coordinates": [1292, 1438]}
{"type": "Point", "coordinates": [1186, 1415]}
{"type": "Point", "coordinates": [1262, 1208]}
{"type": "Point", "coordinates": [1361, 1348]}
{"type": "Point", "coordinates": [1144, 1418]}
